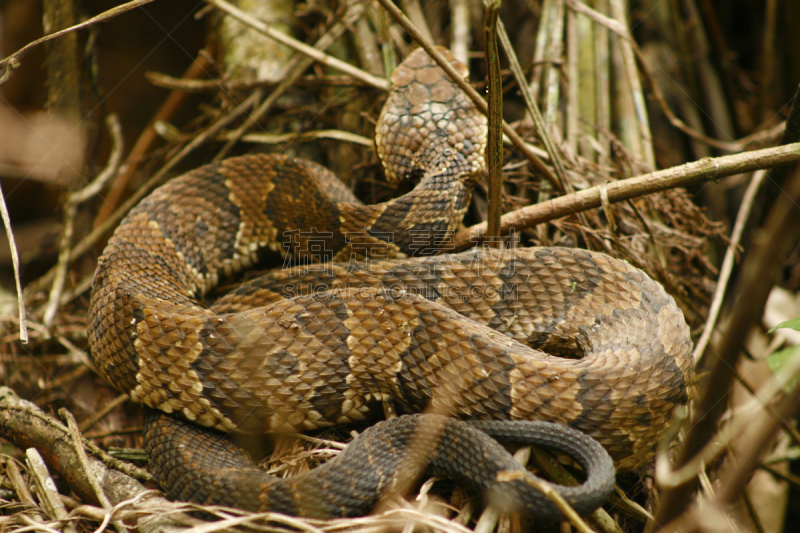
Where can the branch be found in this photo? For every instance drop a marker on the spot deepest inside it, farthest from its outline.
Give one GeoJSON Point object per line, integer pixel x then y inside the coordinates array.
{"type": "Point", "coordinates": [494, 150]}
{"type": "Point", "coordinates": [697, 172]}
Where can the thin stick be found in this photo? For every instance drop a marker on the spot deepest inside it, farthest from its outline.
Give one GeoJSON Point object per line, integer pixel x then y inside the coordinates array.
{"type": "Point", "coordinates": [367, 49]}
{"type": "Point", "coordinates": [21, 488]}
{"type": "Point", "coordinates": [306, 136]}
{"type": "Point", "coordinates": [602, 75]}
{"type": "Point", "coordinates": [768, 56]}
{"type": "Point", "coordinates": [701, 171]}
{"type": "Point", "coordinates": [533, 108]}
{"type": "Point", "coordinates": [61, 266]}
{"type": "Point", "coordinates": [539, 50]}
{"type": "Point", "coordinates": [23, 320]}
{"type": "Point", "coordinates": [494, 149]}
{"type": "Point", "coordinates": [46, 489]}
{"type": "Point", "coordinates": [12, 62]}
{"type": "Point", "coordinates": [77, 444]}
{"type": "Point", "coordinates": [572, 55]}
{"type": "Point", "coordinates": [727, 264]}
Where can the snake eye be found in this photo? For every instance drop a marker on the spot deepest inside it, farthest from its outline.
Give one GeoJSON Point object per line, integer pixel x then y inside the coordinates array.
{"type": "Point", "coordinates": [413, 174]}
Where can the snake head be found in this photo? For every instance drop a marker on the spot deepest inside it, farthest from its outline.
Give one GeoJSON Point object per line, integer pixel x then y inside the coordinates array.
{"type": "Point", "coordinates": [428, 125]}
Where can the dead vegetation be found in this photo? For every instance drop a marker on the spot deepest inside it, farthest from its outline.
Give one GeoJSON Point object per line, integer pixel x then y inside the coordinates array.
{"type": "Point", "coordinates": [596, 97]}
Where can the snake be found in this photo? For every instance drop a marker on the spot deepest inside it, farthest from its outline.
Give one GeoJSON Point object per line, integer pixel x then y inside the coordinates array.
{"type": "Point", "coordinates": [557, 346]}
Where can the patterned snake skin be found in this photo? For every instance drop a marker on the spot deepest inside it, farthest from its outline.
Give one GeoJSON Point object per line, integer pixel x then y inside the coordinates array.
{"type": "Point", "coordinates": [323, 344]}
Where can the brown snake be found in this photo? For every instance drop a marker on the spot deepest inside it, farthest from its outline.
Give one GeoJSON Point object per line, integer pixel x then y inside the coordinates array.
{"type": "Point", "coordinates": [408, 333]}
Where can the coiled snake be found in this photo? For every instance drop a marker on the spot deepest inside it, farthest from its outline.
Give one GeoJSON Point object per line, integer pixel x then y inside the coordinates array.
{"type": "Point", "coordinates": [314, 345]}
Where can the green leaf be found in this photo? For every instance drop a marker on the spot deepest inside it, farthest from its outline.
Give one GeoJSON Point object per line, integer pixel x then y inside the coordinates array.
{"type": "Point", "coordinates": [791, 324]}
{"type": "Point", "coordinates": [779, 359]}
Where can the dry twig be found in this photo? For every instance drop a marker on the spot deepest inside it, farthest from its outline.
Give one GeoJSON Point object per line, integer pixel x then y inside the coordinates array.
{"type": "Point", "coordinates": [742, 217]}
{"type": "Point", "coordinates": [681, 176]}
{"type": "Point", "coordinates": [23, 321]}
{"type": "Point", "coordinates": [494, 149]}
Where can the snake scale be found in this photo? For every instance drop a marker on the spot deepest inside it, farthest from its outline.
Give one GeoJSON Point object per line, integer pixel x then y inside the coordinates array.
{"type": "Point", "coordinates": [480, 335]}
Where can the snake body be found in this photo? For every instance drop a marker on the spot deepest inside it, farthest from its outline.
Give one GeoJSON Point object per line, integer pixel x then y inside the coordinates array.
{"type": "Point", "coordinates": [415, 333]}
{"type": "Point", "coordinates": [352, 483]}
